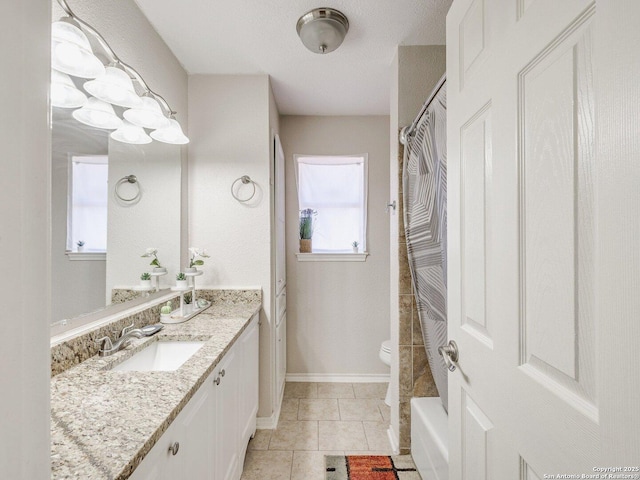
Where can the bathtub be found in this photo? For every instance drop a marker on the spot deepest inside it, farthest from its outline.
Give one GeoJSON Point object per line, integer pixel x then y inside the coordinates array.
{"type": "Point", "coordinates": [429, 438]}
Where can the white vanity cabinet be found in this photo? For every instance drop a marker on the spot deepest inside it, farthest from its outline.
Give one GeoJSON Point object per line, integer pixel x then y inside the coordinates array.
{"type": "Point", "coordinates": [208, 439]}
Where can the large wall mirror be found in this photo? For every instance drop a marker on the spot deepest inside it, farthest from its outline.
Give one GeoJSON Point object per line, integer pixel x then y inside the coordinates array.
{"type": "Point", "coordinates": [117, 220]}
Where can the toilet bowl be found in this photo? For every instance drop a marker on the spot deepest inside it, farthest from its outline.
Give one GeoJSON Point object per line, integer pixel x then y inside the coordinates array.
{"type": "Point", "coordinates": [385, 356]}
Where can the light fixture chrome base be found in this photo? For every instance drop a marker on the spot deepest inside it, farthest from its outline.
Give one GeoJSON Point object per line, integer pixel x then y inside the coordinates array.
{"type": "Point", "coordinates": [322, 30]}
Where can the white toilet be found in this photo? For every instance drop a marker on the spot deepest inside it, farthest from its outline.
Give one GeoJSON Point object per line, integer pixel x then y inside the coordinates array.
{"type": "Point", "coordinates": [385, 356]}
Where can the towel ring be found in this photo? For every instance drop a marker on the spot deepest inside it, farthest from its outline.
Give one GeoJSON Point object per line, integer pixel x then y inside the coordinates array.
{"type": "Point", "coordinates": [245, 179]}
{"type": "Point", "coordinates": [128, 179]}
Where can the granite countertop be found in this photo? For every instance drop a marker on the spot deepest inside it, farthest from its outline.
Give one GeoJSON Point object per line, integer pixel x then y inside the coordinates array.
{"type": "Point", "coordinates": [104, 422]}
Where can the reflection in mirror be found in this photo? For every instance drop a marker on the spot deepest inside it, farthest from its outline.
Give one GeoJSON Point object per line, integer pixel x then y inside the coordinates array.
{"type": "Point", "coordinates": [98, 239]}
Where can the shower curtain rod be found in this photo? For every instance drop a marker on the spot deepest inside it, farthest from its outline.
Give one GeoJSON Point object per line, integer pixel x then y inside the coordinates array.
{"type": "Point", "coordinates": [406, 132]}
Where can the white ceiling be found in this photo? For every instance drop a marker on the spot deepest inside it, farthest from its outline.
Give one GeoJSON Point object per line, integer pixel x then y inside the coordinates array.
{"type": "Point", "coordinates": [259, 36]}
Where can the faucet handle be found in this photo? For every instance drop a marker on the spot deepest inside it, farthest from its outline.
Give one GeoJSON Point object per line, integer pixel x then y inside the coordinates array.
{"type": "Point", "coordinates": [126, 330]}
{"type": "Point", "coordinates": [105, 343]}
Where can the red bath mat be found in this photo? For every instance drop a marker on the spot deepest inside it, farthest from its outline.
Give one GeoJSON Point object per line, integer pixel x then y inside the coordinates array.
{"type": "Point", "coordinates": [370, 467]}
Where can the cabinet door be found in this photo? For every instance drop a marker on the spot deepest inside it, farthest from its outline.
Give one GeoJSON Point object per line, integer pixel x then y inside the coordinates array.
{"type": "Point", "coordinates": [227, 409]}
{"type": "Point", "coordinates": [248, 346]}
{"type": "Point", "coordinates": [281, 354]}
{"type": "Point", "coordinates": [281, 269]}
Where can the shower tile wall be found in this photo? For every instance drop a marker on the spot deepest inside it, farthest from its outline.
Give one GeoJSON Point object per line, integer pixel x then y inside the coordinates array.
{"type": "Point", "coordinates": [415, 374]}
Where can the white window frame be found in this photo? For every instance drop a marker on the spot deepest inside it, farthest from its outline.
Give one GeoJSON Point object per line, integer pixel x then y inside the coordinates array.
{"type": "Point", "coordinates": [337, 255]}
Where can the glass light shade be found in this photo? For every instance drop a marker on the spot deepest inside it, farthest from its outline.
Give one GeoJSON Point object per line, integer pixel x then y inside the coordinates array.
{"type": "Point", "coordinates": [99, 114]}
{"type": "Point", "coordinates": [171, 134]}
{"type": "Point", "coordinates": [148, 115]}
{"type": "Point", "coordinates": [130, 133]}
{"type": "Point", "coordinates": [64, 93]}
{"type": "Point", "coordinates": [71, 52]}
{"type": "Point", "coordinates": [115, 87]}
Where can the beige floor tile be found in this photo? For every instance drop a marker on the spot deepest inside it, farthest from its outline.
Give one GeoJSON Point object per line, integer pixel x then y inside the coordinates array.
{"type": "Point", "coordinates": [377, 437]}
{"type": "Point", "coordinates": [335, 390]}
{"type": "Point", "coordinates": [310, 465]}
{"type": "Point", "coordinates": [300, 390]}
{"type": "Point", "coordinates": [267, 465]}
{"type": "Point", "coordinates": [370, 390]}
{"type": "Point", "coordinates": [260, 440]}
{"type": "Point", "coordinates": [340, 435]}
{"type": "Point", "coordinates": [385, 411]}
{"type": "Point", "coordinates": [289, 409]}
{"type": "Point", "coordinates": [318, 409]}
{"type": "Point", "coordinates": [363, 409]}
{"type": "Point", "coordinates": [295, 436]}
{"type": "Point", "coordinates": [403, 461]}
{"type": "Point", "coordinates": [368, 452]}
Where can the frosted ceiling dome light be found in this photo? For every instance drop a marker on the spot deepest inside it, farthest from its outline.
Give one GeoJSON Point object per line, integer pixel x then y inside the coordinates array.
{"type": "Point", "coordinates": [322, 30]}
{"type": "Point", "coordinates": [147, 115]}
{"type": "Point", "coordinates": [114, 86]}
{"type": "Point", "coordinates": [64, 93]}
{"type": "Point", "coordinates": [130, 133]}
{"type": "Point", "coordinates": [98, 114]}
{"type": "Point", "coordinates": [71, 52]}
{"type": "Point", "coordinates": [171, 134]}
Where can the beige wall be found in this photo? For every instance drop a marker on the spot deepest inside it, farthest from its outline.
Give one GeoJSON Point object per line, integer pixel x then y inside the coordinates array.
{"type": "Point", "coordinates": [24, 240]}
{"type": "Point", "coordinates": [337, 312]}
{"type": "Point", "coordinates": [416, 70]}
{"type": "Point", "coordinates": [230, 121]}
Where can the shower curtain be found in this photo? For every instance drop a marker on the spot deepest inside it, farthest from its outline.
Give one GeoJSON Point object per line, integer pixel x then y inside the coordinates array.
{"type": "Point", "coordinates": [424, 180]}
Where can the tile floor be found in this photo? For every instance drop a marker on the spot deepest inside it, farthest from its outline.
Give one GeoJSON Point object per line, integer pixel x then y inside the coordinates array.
{"type": "Point", "coordinates": [319, 419]}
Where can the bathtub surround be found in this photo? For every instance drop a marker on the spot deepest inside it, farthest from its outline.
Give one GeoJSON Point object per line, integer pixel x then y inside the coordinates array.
{"type": "Point", "coordinates": [416, 70]}
{"type": "Point", "coordinates": [337, 311]}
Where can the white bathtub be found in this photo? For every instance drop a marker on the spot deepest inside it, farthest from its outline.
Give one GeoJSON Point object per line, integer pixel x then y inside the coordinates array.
{"type": "Point", "coordinates": [430, 438]}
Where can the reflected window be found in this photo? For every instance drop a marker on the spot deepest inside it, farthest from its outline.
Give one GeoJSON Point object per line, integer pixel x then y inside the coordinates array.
{"type": "Point", "coordinates": [87, 212]}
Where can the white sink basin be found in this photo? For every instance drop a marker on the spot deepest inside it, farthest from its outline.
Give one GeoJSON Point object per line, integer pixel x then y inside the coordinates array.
{"type": "Point", "coordinates": [160, 356]}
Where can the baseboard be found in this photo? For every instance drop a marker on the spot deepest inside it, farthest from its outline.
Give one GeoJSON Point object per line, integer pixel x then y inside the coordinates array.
{"type": "Point", "coordinates": [337, 378]}
{"type": "Point", "coordinates": [270, 423]}
{"type": "Point", "coordinates": [393, 440]}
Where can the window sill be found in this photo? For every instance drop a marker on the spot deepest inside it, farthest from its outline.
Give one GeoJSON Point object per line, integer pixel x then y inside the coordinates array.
{"type": "Point", "coordinates": [87, 256]}
{"type": "Point", "coordinates": [332, 257]}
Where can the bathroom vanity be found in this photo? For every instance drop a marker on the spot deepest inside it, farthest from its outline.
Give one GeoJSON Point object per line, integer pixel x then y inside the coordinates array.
{"type": "Point", "coordinates": [191, 422]}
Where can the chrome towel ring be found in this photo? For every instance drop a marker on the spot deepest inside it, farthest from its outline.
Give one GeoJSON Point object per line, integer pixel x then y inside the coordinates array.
{"type": "Point", "coordinates": [245, 179]}
{"type": "Point", "coordinates": [128, 179]}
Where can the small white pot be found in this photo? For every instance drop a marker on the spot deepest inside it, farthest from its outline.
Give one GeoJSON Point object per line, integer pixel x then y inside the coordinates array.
{"type": "Point", "coordinates": [159, 270]}
{"type": "Point", "coordinates": [188, 308]}
{"type": "Point", "coordinates": [355, 249]}
{"type": "Point", "coordinates": [81, 249]}
{"type": "Point", "coordinates": [190, 270]}
{"type": "Point", "coordinates": [182, 283]}
{"type": "Point", "coordinates": [145, 283]}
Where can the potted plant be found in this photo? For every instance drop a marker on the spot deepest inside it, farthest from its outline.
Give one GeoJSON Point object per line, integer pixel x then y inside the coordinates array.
{"type": "Point", "coordinates": [165, 311]}
{"type": "Point", "coordinates": [145, 280]}
{"type": "Point", "coordinates": [181, 280]}
{"type": "Point", "coordinates": [355, 246]}
{"type": "Point", "coordinates": [80, 245]}
{"type": "Point", "coordinates": [194, 261]}
{"type": "Point", "coordinates": [306, 229]}
{"type": "Point", "coordinates": [157, 267]}
{"type": "Point", "coordinates": [188, 306]}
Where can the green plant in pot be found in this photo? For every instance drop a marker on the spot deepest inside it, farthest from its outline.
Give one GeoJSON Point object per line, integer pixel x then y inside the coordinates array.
{"type": "Point", "coordinates": [307, 218]}
{"type": "Point", "coordinates": [181, 280]}
{"type": "Point", "coordinates": [145, 279]}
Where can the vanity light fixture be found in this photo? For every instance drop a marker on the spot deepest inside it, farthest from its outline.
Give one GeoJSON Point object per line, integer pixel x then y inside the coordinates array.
{"type": "Point", "coordinates": [71, 52]}
{"type": "Point", "coordinates": [118, 84]}
{"type": "Point", "coordinates": [98, 114]}
{"type": "Point", "coordinates": [171, 134]}
{"type": "Point", "coordinates": [114, 86]}
{"type": "Point", "coordinates": [147, 115]}
{"type": "Point", "coordinates": [64, 93]}
{"type": "Point", "coordinates": [130, 133]}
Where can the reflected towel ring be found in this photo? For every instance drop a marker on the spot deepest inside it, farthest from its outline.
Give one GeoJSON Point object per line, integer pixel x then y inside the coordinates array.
{"type": "Point", "coordinates": [245, 179]}
{"type": "Point", "coordinates": [128, 179]}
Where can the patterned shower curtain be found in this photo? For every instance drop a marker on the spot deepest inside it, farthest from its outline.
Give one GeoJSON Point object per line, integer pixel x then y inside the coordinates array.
{"type": "Point", "coordinates": [424, 180]}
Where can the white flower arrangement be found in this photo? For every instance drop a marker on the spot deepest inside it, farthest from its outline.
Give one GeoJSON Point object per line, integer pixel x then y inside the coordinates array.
{"type": "Point", "coordinates": [194, 253]}
{"type": "Point", "coordinates": [152, 252]}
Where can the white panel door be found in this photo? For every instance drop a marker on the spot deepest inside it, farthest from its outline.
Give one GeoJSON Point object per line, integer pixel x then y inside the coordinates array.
{"type": "Point", "coordinates": [281, 265]}
{"type": "Point", "coordinates": [249, 381]}
{"type": "Point", "coordinates": [227, 416]}
{"type": "Point", "coordinates": [523, 250]}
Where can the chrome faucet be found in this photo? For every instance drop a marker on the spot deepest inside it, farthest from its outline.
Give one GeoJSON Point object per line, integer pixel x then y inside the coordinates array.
{"type": "Point", "coordinates": [109, 348]}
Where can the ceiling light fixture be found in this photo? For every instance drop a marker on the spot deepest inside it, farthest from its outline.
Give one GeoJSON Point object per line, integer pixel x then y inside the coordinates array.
{"type": "Point", "coordinates": [322, 30]}
{"type": "Point", "coordinates": [170, 134]}
{"type": "Point", "coordinates": [130, 133]}
{"type": "Point", "coordinates": [71, 52]}
{"type": "Point", "coordinates": [98, 114]}
{"type": "Point", "coordinates": [115, 87]}
{"type": "Point", "coordinates": [64, 93]}
{"type": "Point", "coordinates": [147, 115]}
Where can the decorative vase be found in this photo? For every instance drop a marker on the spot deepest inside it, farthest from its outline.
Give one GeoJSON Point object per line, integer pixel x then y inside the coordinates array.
{"type": "Point", "coordinates": [190, 270]}
{"type": "Point", "coordinates": [159, 270]}
{"type": "Point", "coordinates": [145, 283]}
{"type": "Point", "coordinates": [305, 245]}
{"type": "Point", "coordinates": [182, 283]}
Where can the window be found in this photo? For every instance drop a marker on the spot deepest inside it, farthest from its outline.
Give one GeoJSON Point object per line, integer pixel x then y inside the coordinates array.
{"type": "Point", "coordinates": [87, 206]}
{"type": "Point", "coordinates": [335, 187]}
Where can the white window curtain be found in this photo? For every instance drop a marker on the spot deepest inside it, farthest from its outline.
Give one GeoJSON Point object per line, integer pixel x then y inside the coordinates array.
{"type": "Point", "coordinates": [336, 187]}
{"type": "Point", "coordinates": [87, 207]}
